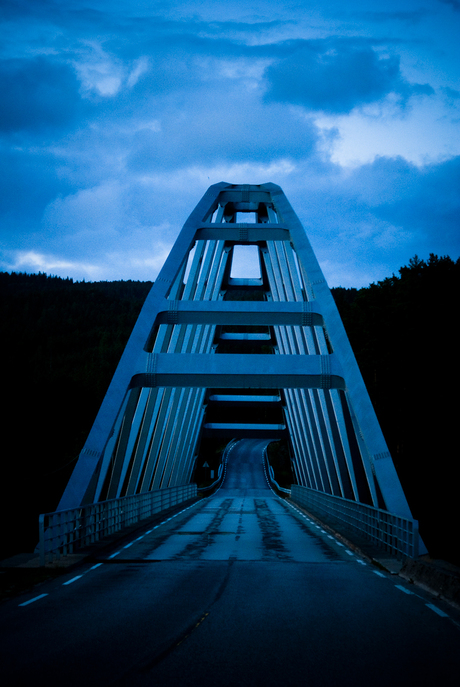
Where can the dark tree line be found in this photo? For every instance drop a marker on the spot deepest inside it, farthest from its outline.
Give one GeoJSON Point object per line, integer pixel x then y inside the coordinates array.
{"type": "Point", "coordinates": [61, 341]}
{"type": "Point", "coordinates": [404, 333]}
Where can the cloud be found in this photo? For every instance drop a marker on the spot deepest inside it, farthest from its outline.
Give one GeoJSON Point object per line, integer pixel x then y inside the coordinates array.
{"type": "Point", "coordinates": [235, 127]}
{"type": "Point", "coordinates": [424, 201]}
{"type": "Point", "coordinates": [38, 94]}
{"type": "Point", "coordinates": [117, 117]}
{"type": "Point", "coordinates": [367, 222]}
{"type": "Point", "coordinates": [407, 17]}
{"type": "Point", "coordinates": [29, 181]}
{"type": "Point", "coordinates": [125, 265]}
{"type": "Point", "coordinates": [455, 4]}
{"type": "Point", "coordinates": [105, 75]}
{"type": "Point", "coordinates": [451, 94]}
{"type": "Point", "coordinates": [335, 76]}
{"type": "Point", "coordinates": [34, 261]}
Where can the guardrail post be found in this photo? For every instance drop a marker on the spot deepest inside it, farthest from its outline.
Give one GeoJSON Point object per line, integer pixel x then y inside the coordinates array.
{"type": "Point", "coordinates": [415, 538]}
{"type": "Point", "coordinates": [41, 532]}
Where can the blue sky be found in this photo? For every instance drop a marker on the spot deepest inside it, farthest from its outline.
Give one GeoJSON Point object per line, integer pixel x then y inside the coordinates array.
{"type": "Point", "coordinates": [117, 115]}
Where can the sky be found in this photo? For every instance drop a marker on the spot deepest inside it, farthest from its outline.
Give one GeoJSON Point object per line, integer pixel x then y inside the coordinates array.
{"type": "Point", "coordinates": [117, 115]}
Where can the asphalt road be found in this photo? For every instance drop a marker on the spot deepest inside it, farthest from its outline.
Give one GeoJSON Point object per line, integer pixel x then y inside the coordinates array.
{"type": "Point", "coordinates": [238, 589]}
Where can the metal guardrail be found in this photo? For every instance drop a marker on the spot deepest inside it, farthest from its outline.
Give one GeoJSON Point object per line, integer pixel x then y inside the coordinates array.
{"type": "Point", "coordinates": [395, 534]}
{"type": "Point", "coordinates": [67, 531]}
{"type": "Point", "coordinates": [270, 474]}
{"type": "Point", "coordinates": [216, 482]}
{"type": "Point", "coordinates": [222, 467]}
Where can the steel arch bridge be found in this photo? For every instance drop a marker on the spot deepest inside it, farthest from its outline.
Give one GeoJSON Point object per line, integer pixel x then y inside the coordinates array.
{"type": "Point", "coordinates": [148, 429]}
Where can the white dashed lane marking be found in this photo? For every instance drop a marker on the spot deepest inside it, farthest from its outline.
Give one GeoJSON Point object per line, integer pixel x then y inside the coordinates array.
{"type": "Point", "coordinates": [402, 589]}
{"type": "Point", "coordinates": [36, 598]}
{"type": "Point", "coordinates": [437, 610]}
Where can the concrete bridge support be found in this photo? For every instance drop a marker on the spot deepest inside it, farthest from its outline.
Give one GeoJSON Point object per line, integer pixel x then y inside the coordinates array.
{"type": "Point", "coordinates": [179, 360]}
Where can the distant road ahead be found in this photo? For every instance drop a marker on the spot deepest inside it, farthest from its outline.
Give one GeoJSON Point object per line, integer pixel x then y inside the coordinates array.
{"type": "Point", "coordinates": [239, 589]}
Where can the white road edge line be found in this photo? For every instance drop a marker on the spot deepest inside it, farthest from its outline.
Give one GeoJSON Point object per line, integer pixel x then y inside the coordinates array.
{"type": "Point", "coordinates": [378, 573]}
{"type": "Point", "coordinates": [149, 531]}
{"type": "Point", "coordinates": [318, 527]}
{"type": "Point", "coordinates": [437, 610]}
{"type": "Point", "coordinates": [402, 589]}
{"type": "Point", "coordinates": [97, 565]}
{"type": "Point", "coordinates": [36, 598]}
{"type": "Point", "coordinates": [72, 580]}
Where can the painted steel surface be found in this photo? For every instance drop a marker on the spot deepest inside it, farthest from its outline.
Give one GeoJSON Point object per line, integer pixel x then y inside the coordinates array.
{"type": "Point", "coordinates": [147, 432]}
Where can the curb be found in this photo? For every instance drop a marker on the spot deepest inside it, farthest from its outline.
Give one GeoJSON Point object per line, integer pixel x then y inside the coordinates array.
{"type": "Point", "coordinates": [438, 577]}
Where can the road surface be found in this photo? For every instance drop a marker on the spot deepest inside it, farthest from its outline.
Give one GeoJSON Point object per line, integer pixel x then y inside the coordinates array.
{"type": "Point", "coordinates": [238, 589]}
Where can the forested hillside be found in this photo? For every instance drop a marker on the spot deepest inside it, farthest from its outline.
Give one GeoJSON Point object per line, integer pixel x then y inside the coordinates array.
{"type": "Point", "coordinates": [61, 341]}
{"type": "Point", "coordinates": [404, 333]}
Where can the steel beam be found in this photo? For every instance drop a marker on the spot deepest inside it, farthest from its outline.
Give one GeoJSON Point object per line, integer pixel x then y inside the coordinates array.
{"type": "Point", "coordinates": [253, 313]}
{"type": "Point", "coordinates": [235, 371]}
{"type": "Point", "coordinates": [243, 233]}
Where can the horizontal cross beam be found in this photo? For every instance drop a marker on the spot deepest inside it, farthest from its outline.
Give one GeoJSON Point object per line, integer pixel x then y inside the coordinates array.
{"type": "Point", "coordinates": [237, 371]}
{"type": "Point", "coordinates": [232, 399]}
{"type": "Point", "coordinates": [243, 233]}
{"type": "Point", "coordinates": [215, 431]}
{"type": "Point", "coordinates": [244, 336]}
{"type": "Point", "coordinates": [289, 313]}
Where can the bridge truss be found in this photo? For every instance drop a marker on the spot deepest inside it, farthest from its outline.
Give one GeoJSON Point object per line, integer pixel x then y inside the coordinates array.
{"type": "Point", "coordinates": [293, 353]}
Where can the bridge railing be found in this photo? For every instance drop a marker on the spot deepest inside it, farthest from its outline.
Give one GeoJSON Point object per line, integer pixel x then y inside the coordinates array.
{"type": "Point", "coordinates": [270, 474]}
{"type": "Point", "coordinates": [222, 467]}
{"type": "Point", "coordinates": [397, 535]}
{"type": "Point", "coordinates": [67, 531]}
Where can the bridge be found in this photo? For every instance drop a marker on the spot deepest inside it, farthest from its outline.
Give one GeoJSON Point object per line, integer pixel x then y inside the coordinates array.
{"type": "Point", "coordinates": [244, 583]}
{"type": "Point", "coordinates": [267, 351]}
{"type": "Point", "coordinates": [271, 345]}
{"type": "Point", "coordinates": [243, 588]}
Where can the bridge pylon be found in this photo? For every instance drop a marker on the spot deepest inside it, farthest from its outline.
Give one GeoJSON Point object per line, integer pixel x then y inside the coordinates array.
{"type": "Point", "coordinates": [292, 352]}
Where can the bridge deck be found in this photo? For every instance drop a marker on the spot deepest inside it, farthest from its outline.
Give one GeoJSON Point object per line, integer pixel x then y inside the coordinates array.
{"type": "Point", "coordinates": [236, 589]}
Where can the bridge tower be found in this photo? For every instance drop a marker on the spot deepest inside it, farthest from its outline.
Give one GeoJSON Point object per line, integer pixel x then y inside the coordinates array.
{"type": "Point", "coordinates": [147, 431]}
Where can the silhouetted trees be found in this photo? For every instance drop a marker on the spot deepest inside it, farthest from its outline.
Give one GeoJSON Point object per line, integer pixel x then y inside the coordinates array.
{"type": "Point", "coordinates": [403, 331]}
{"type": "Point", "coordinates": [60, 342]}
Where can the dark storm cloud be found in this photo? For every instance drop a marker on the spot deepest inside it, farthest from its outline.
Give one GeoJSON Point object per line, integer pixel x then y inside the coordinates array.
{"type": "Point", "coordinates": [37, 94]}
{"type": "Point", "coordinates": [455, 4]}
{"type": "Point", "coordinates": [382, 214]}
{"type": "Point", "coordinates": [335, 76]}
{"type": "Point", "coordinates": [424, 200]}
{"type": "Point", "coordinates": [30, 181]}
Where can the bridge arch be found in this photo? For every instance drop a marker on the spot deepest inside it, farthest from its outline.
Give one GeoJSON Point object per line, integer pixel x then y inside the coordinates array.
{"type": "Point", "coordinates": [292, 348]}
